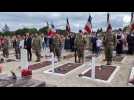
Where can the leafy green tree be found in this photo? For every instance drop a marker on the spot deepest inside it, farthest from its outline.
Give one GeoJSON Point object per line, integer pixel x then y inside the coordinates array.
{"type": "Point", "coordinates": [33, 30]}
{"type": "Point", "coordinates": [6, 30]}
{"type": "Point", "coordinates": [43, 30]}
{"type": "Point", "coordinates": [61, 31]}
{"type": "Point", "coordinates": [126, 28]}
{"type": "Point", "coordinates": [26, 30]}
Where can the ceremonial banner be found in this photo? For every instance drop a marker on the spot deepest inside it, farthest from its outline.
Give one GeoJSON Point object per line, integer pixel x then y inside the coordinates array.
{"type": "Point", "coordinates": [88, 26]}
{"type": "Point", "coordinates": [51, 31]}
{"type": "Point", "coordinates": [109, 26]}
{"type": "Point", "coordinates": [68, 29]}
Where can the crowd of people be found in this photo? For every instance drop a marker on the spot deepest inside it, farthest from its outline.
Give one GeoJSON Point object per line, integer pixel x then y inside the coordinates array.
{"type": "Point", "coordinates": [72, 42]}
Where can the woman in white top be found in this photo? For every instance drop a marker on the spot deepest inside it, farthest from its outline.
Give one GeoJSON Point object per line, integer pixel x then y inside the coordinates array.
{"type": "Point", "coordinates": [99, 45]}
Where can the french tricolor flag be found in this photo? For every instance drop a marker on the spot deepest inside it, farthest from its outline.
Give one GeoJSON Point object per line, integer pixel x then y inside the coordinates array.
{"type": "Point", "coordinates": [68, 29]}
{"type": "Point", "coordinates": [88, 26]}
{"type": "Point", "coordinates": [109, 26]}
{"type": "Point", "coordinates": [51, 31]}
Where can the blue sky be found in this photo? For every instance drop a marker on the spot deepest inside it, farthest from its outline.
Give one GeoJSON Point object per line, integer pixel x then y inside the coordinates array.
{"type": "Point", "coordinates": [77, 20]}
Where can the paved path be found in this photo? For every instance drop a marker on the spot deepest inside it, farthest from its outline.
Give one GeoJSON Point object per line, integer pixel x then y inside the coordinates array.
{"type": "Point", "coordinates": [72, 79]}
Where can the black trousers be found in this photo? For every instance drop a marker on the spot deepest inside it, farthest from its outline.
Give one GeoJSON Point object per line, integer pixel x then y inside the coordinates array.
{"type": "Point", "coordinates": [94, 48]}
{"type": "Point", "coordinates": [17, 53]}
{"type": "Point", "coordinates": [119, 48]}
{"type": "Point", "coordinates": [130, 49]}
{"type": "Point", "coordinates": [5, 52]}
{"type": "Point", "coordinates": [29, 54]}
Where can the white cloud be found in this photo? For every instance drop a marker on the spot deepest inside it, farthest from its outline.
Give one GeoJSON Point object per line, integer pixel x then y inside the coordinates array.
{"type": "Point", "coordinates": [77, 20]}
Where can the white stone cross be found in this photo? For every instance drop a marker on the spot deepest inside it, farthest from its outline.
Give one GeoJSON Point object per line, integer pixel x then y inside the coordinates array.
{"type": "Point", "coordinates": [52, 60]}
{"type": "Point", "coordinates": [24, 60]}
{"type": "Point", "coordinates": [93, 68]}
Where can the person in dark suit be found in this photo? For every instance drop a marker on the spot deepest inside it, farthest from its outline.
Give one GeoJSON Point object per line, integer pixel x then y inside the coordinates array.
{"type": "Point", "coordinates": [72, 38]}
{"type": "Point", "coordinates": [130, 41]}
{"type": "Point", "coordinates": [119, 45]}
{"type": "Point", "coordinates": [67, 43]}
{"type": "Point", "coordinates": [93, 41]}
{"type": "Point", "coordinates": [28, 46]}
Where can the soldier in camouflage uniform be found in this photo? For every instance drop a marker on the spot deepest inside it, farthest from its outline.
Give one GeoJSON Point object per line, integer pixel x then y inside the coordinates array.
{"type": "Point", "coordinates": [109, 42]}
{"type": "Point", "coordinates": [79, 45]}
{"type": "Point", "coordinates": [5, 47]}
{"type": "Point", "coordinates": [57, 41]}
{"type": "Point", "coordinates": [36, 46]}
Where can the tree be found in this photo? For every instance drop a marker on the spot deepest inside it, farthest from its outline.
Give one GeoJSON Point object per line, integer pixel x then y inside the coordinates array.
{"type": "Point", "coordinates": [6, 30]}
{"type": "Point", "coordinates": [98, 30]}
{"type": "Point", "coordinates": [26, 30]}
{"type": "Point", "coordinates": [43, 30]}
{"type": "Point", "coordinates": [126, 28]}
{"type": "Point", "coordinates": [63, 32]}
{"type": "Point", "coordinates": [1, 33]}
{"type": "Point", "coordinates": [32, 30]}
{"type": "Point", "coordinates": [21, 31]}
{"type": "Point", "coordinates": [101, 30]}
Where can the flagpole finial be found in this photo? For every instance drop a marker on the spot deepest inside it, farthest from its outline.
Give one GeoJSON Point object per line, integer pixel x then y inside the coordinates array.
{"type": "Point", "coordinates": [88, 26]}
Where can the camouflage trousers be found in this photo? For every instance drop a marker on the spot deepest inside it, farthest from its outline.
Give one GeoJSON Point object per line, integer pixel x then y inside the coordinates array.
{"type": "Point", "coordinates": [5, 52]}
{"type": "Point", "coordinates": [51, 47]}
{"type": "Point", "coordinates": [57, 52]}
{"type": "Point", "coordinates": [38, 54]}
{"type": "Point", "coordinates": [80, 54]}
{"type": "Point", "coordinates": [109, 54]}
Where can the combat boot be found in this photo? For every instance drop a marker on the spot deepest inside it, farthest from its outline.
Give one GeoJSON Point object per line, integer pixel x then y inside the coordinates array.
{"type": "Point", "coordinates": [109, 62]}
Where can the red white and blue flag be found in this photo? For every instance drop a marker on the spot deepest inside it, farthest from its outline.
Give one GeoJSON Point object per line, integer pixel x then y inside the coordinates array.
{"type": "Point", "coordinates": [51, 31]}
{"type": "Point", "coordinates": [109, 26]}
{"type": "Point", "coordinates": [88, 26]}
{"type": "Point", "coordinates": [68, 29]}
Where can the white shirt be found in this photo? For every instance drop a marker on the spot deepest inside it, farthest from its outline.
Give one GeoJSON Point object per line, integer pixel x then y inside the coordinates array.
{"type": "Point", "coordinates": [99, 43]}
{"type": "Point", "coordinates": [21, 44]}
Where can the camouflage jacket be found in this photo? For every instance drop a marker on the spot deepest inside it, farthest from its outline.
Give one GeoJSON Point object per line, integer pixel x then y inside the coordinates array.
{"type": "Point", "coordinates": [109, 40]}
{"type": "Point", "coordinates": [80, 42]}
{"type": "Point", "coordinates": [57, 41]}
{"type": "Point", "coordinates": [37, 43]}
{"type": "Point", "coordinates": [5, 44]}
